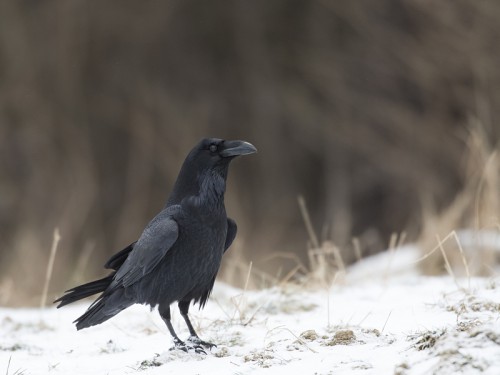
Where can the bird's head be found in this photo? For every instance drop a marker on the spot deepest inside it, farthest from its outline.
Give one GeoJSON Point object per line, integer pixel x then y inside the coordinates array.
{"type": "Point", "coordinates": [207, 160]}
{"type": "Point", "coordinates": [215, 154]}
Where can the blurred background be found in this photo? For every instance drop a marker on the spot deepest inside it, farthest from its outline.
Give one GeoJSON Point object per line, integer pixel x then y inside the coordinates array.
{"type": "Point", "coordinates": [382, 115]}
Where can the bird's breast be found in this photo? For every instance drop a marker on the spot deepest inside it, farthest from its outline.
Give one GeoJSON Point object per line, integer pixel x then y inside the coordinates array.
{"type": "Point", "coordinates": [204, 241]}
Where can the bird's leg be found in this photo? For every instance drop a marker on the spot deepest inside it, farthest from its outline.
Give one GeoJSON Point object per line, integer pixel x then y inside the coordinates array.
{"type": "Point", "coordinates": [193, 337]}
{"type": "Point", "coordinates": [165, 315]}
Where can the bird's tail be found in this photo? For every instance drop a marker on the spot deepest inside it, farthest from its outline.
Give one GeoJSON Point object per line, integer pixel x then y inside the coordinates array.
{"type": "Point", "coordinates": [105, 307]}
{"type": "Point", "coordinates": [85, 290]}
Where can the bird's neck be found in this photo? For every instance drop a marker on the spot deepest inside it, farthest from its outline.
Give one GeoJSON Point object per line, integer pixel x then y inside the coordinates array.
{"type": "Point", "coordinates": [212, 188]}
{"type": "Point", "coordinates": [185, 185]}
{"type": "Point", "coordinates": [197, 187]}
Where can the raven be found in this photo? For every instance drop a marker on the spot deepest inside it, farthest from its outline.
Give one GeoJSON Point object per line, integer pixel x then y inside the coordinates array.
{"type": "Point", "coordinates": [178, 254]}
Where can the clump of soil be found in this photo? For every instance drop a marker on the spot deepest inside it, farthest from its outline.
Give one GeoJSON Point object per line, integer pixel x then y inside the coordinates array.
{"type": "Point", "coordinates": [310, 335]}
{"type": "Point", "coordinates": [342, 337]}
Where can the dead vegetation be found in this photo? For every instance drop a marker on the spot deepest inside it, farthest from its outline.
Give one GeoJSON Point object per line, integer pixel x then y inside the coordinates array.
{"type": "Point", "coordinates": [476, 207]}
{"type": "Point", "coordinates": [426, 340]}
{"type": "Point", "coordinates": [147, 363]}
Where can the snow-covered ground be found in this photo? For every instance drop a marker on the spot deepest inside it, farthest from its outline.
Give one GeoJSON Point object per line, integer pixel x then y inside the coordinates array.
{"type": "Point", "coordinates": [384, 318]}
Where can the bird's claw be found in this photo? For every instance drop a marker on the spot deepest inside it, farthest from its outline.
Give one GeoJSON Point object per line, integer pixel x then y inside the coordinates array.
{"type": "Point", "coordinates": [198, 349]}
{"type": "Point", "coordinates": [180, 345]}
{"type": "Point", "coordinates": [197, 342]}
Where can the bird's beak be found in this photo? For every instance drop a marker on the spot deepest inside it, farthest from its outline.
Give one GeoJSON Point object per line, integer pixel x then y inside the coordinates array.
{"type": "Point", "coordinates": [235, 148]}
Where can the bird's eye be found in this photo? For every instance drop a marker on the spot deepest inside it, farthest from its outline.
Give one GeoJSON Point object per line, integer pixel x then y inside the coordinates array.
{"type": "Point", "coordinates": [213, 148]}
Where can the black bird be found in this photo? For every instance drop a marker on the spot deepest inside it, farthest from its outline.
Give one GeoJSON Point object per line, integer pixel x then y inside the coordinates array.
{"type": "Point", "coordinates": [178, 254]}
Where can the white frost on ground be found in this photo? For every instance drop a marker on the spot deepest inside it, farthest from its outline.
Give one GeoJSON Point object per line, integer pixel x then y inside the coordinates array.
{"type": "Point", "coordinates": [384, 319]}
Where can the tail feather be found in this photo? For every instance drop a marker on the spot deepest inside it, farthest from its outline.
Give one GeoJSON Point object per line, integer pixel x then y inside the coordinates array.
{"type": "Point", "coordinates": [105, 307]}
{"type": "Point", "coordinates": [108, 304]}
{"type": "Point", "coordinates": [85, 290]}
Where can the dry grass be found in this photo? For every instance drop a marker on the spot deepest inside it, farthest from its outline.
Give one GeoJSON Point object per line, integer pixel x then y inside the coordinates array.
{"type": "Point", "coordinates": [476, 207]}
{"type": "Point", "coordinates": [426, 340]}
{"type": "Point", "coordinates": [325, 260]}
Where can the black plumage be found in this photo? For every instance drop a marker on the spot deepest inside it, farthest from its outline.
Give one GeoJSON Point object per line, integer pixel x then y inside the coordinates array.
{"type": "Point", "coordinates": [179, 253]}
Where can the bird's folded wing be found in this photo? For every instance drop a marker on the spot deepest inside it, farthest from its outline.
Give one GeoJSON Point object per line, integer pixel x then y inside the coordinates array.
{"type": "Point", "coordinates": [119, 258]}
{"type": "Point", "coordinates": [231, 233]}
{"type": "Point", "coordinates": [158, 237]}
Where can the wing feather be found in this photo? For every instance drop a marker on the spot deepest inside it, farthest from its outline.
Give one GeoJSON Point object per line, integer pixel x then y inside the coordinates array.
{"type": "Point", "coordinates": [119, 258]}
{"type": "Point", "coordinates": [154, 243]}
{"type": "Point", "coordinates": [231, 233]}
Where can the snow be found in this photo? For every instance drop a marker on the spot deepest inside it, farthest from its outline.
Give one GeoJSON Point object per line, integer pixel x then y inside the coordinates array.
{"type": "Point", "coordinates": [382, 318]}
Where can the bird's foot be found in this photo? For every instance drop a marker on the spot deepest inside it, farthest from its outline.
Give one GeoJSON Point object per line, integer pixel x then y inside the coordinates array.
{"type": "Point", "coordinates": [197, 342]}
{"type": "Point", "coordinates": [181, 345]}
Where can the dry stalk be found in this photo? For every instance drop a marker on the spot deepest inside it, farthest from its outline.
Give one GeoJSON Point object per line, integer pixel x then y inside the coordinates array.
{"type": "Point", "coordinates": [446, 262]}
{"type": "Point", "coordinates": [464, 259]}
{"type": "Point", "coordinates": [388, 316]}
{"type": "Point", "coordinates": [307, 222]}
{"type": "Point", "coordinates": [393, 240]}
{"type": "Point", "coordinates": [402, 238]}
{"type": "Point", "coordinates": [439, 246]}
{"type": "Point", "coordinates": [242, 295]}
{"type": "Point", "coordinates": [395, 243]}
{"type": "Point", "coordinates": [290, 274]}
{"type": "Point", "coordinates": [364, 318]}
{"type": "Point", "coordinates": [479, 193]}
{"type": "Point", "coordinates": [293, 334]}
{"type": "Point", "coordinates": [357, 248]}
{"type": "Point", "coordinates": [6, 290]}
{"type": "Point", "coordinates": [320, 267]}
{"type": "Point", "coordinates": [50, 265]}
{"type": "Point", "coordinates": [338, 259]}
